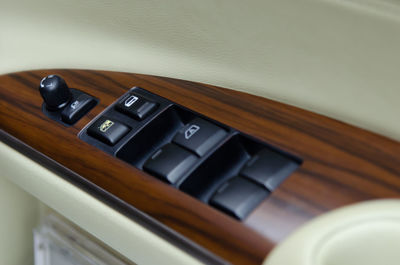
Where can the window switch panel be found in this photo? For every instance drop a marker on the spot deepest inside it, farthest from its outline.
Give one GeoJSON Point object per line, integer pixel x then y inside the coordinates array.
{"type": "Point", "coordinates": [208, 160]}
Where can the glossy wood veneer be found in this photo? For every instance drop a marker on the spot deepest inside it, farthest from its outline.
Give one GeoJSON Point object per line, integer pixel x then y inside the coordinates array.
{"type": "Point", "coordinates": [341, 165]}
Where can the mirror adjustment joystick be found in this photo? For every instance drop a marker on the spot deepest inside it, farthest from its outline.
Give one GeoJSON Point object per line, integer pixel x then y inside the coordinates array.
{"type": "Point", "coordinates": [55, 92]}
{"type": "Point", "coordinates": [63, 104]}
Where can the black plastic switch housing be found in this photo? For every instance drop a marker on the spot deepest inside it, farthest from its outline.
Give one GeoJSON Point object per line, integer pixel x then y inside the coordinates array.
{"type": "Point", "coordinates": [108, 130]}
{"type": "Point", "coordinates": [210, 161]}
{"type": "Point", "coordinates": [238, 197]}
{"type": "Point", "coordinates": [136, 106]}
{"type": "Point", "coordinates": [170, 163]}
{"type": "Point", "coordinates": [269, 168]}
{"type": "Point", "coordinates": [77, 108]}
{"type": "Point", "coordinates": [199, 136]}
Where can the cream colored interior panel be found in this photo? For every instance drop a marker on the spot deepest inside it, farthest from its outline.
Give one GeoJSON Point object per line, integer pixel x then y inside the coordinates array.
{"type": "Point", "coordinates": [111, 227]}
{"type": "Point", "coordinates": [336, 57]}
{"type": "Point", "coordinates": [19, 214]}
{"type": "Point", "coordinates": [362, 234]}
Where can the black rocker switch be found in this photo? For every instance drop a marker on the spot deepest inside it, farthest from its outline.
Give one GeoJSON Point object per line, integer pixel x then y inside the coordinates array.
{"type": "Point", "coordinates": [55, 92]}
{"type": "Point", "coordinates": [199, 136]}
{"type": "Point", "coordinates": [269, 168]}
{"type": "Point", "coordinates": [77, 108]}
{"type": "Point", "coordinates": [170, 163]}
{"type": "Point", "coordinates": [108, 130]}
{"type": "Point", "coordinates": [238, 197]}
{"type": "Point", "coordinates": [136, 106]}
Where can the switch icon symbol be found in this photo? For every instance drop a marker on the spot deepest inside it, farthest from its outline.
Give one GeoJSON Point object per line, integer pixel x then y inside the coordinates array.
{"type": "Point", "coordinates": [106, 125]}
{"type": "Point", "coordinates": [191, 131]}
{"type": "Point", "coordinates": [130, 100]}
{"type": "Point", "coordinates": [74, 104]}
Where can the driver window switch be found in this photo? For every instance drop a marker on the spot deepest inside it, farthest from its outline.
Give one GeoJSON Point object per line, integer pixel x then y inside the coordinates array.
{"type": "Point", "coordinates": [199, 136]}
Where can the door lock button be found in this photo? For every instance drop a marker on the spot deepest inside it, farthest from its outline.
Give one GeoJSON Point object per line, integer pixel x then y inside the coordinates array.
{"type": "Point", "coordinates": [199, 136]}
{"type": "Point", "coordinates": [108, 130]}
{"type": "Point", "coordinates": [136, 107]}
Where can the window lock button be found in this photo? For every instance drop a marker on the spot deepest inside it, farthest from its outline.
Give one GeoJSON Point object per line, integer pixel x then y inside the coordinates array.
{"type": "Point", "coordinates": [108, 130]}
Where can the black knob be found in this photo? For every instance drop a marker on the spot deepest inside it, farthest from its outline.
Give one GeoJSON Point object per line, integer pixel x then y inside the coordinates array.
{"type": "Point", "coordinates": [55, 92]}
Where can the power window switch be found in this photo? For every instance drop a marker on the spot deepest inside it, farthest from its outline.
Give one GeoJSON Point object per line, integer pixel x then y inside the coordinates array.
{"type": "Point", "coordinates": [108, 130]}
{"type": "Point", "coordinates": [238, 197]}
{"type": "Point", "coordinates": [136, 106]}
{"type": "Point", "coordinates": [170, 163]}
{"type": "Point", "coordinates": [77, 108]}
{"type": "Point", "coordinates": [199, 136]}
{"type": "Point", "coordinates": [269, 168]}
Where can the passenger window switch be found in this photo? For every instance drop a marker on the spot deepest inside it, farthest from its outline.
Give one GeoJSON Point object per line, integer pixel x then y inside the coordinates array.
{"type": "Point", "coordinates": [108, 130]}
{"type": "Point", "coordinates": [136, 106]}
{"type": "Point", "coordinates": [269, 168]}
{"type": "Point", "coordinates": [199, 136]}
{"type": "Point", "coordinates": [170, 163]}
{"type": "Point", "coordinates": [238, 197]}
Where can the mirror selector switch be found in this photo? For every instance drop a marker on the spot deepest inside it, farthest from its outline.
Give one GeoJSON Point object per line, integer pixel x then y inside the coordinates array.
{"type": "Point", "coordinates": [136, 106]}
{"type": "Point", "coordinates": [199, 136]}
{"type": "Point", "coordinates": [238, 197]}
{"type": "Point", "coordinates": [269, 168]}
{"type": "Point", "coordinates": [170, 163]}
{"type": "Point", "coordinates": [108, 130]}
{"type": "Point", "coordinates": [77, 108]}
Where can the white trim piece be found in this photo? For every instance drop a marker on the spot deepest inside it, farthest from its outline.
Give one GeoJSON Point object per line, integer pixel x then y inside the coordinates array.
{"type": "Point", "coordinates": [114, 229]}
{"type": "Point", "coordinates": [366, 233]}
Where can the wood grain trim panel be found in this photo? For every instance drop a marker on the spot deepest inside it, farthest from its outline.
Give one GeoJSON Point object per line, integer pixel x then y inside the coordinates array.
{"type": "Point", "coordinates": [342, 164]}
{"type": "Point", "coordinates": [139, 217]}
